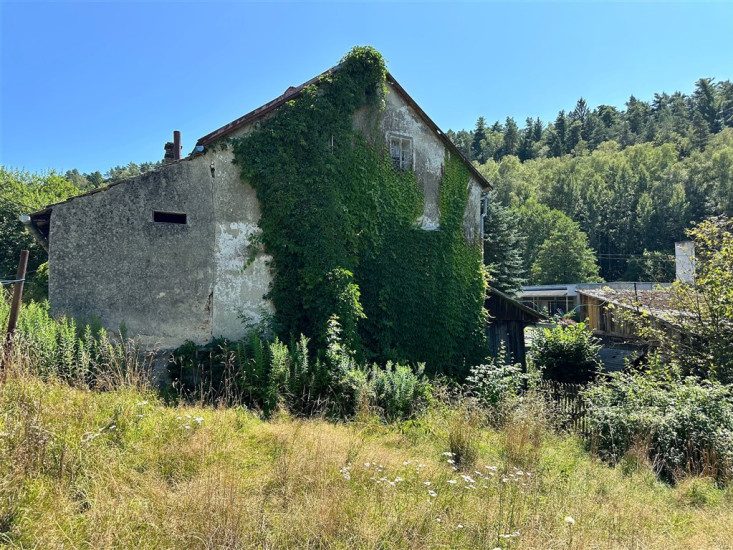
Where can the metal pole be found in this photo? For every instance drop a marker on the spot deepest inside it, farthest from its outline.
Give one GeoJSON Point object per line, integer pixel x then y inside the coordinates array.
{"type": "Point", "coordinates": [15, 307]}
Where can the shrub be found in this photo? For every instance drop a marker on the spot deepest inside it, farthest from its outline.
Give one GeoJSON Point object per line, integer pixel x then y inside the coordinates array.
{"type": "Point", "coordinates": [567, 353]}
{"type": "Point", "coordinates": [496, 380]}
{"type": "Point", "coordinates": [398, 390]}
{"type": "Point", "coordinates": [687, 426]}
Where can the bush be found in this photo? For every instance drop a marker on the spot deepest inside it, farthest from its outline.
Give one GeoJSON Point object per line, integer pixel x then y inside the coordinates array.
{"type": "Point", "coordinates": [398, 390]}
{"type": "Point", "coordinates": [686, 425]}
{"type": "Point", "coordinates": [567, 353]}
{"type": "Point", "coordinates": [496, 380]}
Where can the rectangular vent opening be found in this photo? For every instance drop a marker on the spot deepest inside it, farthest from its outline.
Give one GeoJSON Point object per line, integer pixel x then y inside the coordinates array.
{"type": "Point", "coordinates": [169, 217]}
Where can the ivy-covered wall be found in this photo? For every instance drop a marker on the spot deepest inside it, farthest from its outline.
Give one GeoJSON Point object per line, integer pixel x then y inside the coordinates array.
{"type": "Point", "coordinates": [343, 228]}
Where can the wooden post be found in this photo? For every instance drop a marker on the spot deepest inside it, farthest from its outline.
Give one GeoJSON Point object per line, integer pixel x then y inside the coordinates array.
{"type": "Point", "coordinates": [15, 307]}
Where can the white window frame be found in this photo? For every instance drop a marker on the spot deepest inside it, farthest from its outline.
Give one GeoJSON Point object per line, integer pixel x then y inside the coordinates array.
{"type": "Point", "coordinates": [401, 150]}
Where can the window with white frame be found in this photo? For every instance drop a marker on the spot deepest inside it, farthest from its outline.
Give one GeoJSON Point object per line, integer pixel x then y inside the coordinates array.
{"type": "Point", "coordinates": [400, 149]}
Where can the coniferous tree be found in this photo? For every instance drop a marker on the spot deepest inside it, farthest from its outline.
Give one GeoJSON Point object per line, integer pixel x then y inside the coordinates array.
{"type": "Point", "coordinates": [511, 137]}
{"type": "Point", "coordinates": [502, 248]}
{"type": "Point", "coordinates": [707, 104]}
{"type": "Point", "coordinates": [526, 142]}
{"type": "Point", "coordinates": [479, 137]}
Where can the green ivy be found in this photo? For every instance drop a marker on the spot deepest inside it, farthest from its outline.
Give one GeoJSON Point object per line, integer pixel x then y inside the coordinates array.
{"type": "Point", "coordinates": [339, 222]}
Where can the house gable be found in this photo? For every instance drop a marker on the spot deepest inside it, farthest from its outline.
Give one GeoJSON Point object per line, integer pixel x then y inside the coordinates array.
{"type": "Point", "coordinates": [424, 287]}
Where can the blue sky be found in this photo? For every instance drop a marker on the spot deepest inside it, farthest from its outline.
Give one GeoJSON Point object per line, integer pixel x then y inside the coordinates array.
{"type": "Point", "coordinates": [91, 85]}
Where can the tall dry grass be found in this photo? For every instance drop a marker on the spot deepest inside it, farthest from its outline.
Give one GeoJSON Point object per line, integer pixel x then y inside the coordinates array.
{"type": "Point", "coordinates": [118, 469]}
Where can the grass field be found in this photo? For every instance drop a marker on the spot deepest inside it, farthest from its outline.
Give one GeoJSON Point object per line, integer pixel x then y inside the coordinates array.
{"type": "Point", "coordinates": [119, 469]}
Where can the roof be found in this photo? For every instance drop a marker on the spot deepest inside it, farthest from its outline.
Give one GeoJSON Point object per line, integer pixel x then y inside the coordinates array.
{"type": "Point", "coordinates": [549, 293]}
{"type": "Point", "coordinates": [41, 218]}
{"type": "Point", "coordinates": [531, 315]}
{"type": "Point", "coordinates": [295, 91]}
{"type": "Point", "coordinates": [657, 303]}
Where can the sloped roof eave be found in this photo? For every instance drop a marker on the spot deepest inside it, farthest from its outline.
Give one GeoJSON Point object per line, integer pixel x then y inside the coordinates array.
{"type": "Point", "coordinates": [294, 92]}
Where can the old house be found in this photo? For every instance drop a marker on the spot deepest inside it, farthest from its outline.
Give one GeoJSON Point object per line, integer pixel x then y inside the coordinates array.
{"type": "Point", "coordinates": [175, 254]}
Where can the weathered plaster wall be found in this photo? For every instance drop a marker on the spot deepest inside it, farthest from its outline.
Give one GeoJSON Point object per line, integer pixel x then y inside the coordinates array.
{"type": "Point", "coordinates": [428, 158]}
{"type": "Point", "coordinates": [239, 284]}
{"type": "Point", "coordinates": [109, 259]}
{"type": "Point", "coordinates": [472, 215]}
{"type": "Point", "coordinates": [428, 152]}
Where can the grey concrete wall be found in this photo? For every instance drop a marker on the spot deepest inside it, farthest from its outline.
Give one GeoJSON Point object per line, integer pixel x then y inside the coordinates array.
{"type": "Point", "coordinates": [241, 279]}
{"type": "Point", "coordinates": [109, 259]}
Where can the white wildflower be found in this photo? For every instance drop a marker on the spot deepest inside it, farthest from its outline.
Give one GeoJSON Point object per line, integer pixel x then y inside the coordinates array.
{"type": "Point", "coordinates": [452, 481]}
{"type": "Point", "coordinates": [432, 493]}
{"type": "Point", "coordinates": [569, 520]}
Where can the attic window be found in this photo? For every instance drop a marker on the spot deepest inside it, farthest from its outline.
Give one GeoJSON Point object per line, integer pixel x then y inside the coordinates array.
{"type": "Point", "coordinates": [169, 217]}
{"type": "Point", "coordinates": [400, 149]}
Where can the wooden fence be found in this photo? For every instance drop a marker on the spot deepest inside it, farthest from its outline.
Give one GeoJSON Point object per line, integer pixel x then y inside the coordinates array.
{"type": "Point", "coordinates": [571, 406]}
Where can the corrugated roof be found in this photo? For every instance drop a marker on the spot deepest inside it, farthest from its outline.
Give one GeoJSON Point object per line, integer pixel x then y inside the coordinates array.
{"type": "Point", "coordinates": [556, 293]}
{"type": "Point", "coordinates": [657, 302]}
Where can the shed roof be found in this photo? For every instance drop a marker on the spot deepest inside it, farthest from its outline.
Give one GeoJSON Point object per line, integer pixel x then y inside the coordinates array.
{"type": "Point", "coordinates": [657, 303]}
{"type": "Point", "coordinates": [521, 312]}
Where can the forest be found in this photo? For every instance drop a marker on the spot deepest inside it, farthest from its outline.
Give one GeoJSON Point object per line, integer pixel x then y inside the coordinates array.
{"type": "Point", "coordinates": [603, 193]}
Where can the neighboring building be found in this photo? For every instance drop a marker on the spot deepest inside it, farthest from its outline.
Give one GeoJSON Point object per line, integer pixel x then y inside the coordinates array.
{"type": "Point", "coordinates": [549, 299]}
{"type": "Point", "coordinates": [508, 319]}
{"type": "Point", "coordinates": [167, 253]}
{"type": "Point", "coordinates": [610, 314]}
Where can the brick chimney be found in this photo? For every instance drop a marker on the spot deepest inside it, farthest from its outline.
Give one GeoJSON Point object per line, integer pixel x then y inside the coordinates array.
{"type": "Point", "coordinates": [173, 150]}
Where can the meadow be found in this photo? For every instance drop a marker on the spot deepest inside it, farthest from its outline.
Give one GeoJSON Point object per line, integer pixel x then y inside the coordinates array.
{"type": "Point", "coordinates": [81, 468]}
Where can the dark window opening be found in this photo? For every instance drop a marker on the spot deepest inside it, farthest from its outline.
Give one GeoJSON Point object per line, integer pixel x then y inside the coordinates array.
{"type": "Point", "coordinates": [169, 217]}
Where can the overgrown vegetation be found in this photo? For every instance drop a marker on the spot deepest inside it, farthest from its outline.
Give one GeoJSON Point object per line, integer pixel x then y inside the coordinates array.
{"type": "Point", "coordinates": [270, 376]}
{"type": "Point", "coordinates": [119, 469]}
{"type": "Point", "coordinates": [682, 427]}
{"type": "Point", "coordinates": [81, 354]}
{"type": "Point", "coordinates": [567, 353]}
{"type": "Point", "coordinates": [340, 224]}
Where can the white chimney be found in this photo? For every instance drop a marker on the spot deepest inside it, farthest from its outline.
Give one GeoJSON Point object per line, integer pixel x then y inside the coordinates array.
{"type": "Point", "coordinates": [684, 255]}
